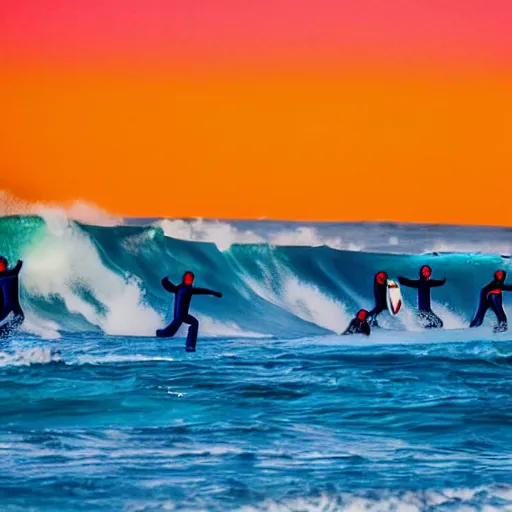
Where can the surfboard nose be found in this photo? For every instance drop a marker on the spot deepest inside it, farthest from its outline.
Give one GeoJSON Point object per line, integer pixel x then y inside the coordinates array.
{"type": "Point", "coordinates": [393, 297]}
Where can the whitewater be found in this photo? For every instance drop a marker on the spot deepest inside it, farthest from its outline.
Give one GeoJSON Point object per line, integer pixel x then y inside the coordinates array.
{"type": "Point", "coordinates": [275, 411]}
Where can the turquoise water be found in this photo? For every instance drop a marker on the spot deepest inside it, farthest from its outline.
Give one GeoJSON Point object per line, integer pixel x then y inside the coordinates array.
{"type": "Point", "coordinates": [275, 411]}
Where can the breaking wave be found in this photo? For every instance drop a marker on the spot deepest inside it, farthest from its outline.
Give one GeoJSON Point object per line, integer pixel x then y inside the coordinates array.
{"type": "Point", "coordinates": [80, 277]}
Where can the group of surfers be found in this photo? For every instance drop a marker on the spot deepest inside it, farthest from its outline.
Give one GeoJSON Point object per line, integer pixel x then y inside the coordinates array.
{"type": "Point", "coordinates": [490, 298]}
{"type": "Point", "coordinates": [12, 316]}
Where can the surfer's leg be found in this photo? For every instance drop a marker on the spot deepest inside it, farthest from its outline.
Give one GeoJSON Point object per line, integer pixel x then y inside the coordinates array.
{"type": "Point", "coordinates": [430, 320]}
{"type": "Point", "coordinates": [437, 323]}
{"type": "Point", "coordinates": [425, 319]}
{"type": "Point", "coordinates": [170, 330]}
{"type": "Point", "coordinates": [192, 333]}
{"type": "Point", "coordinates": [372, 316]}
{"type": "Point", "coordinates": [496, 304]}
{"type": "Point", "coordinates": [480, 314]}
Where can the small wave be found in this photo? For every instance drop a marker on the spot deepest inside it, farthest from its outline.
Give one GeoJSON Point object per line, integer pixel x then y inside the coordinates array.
{"type": "Point", "coordinates": [482, 247]}
{"type": "Point", "coordinates": [224, 235]}
{"type": "Point", "coordinates": [29, 356]}
{"type": "Point", "coordinates": [491, 499]}
{"type": "Point", "coordinates": [128, 358]}
{"type": "Point", "coordinates": [212, 327]}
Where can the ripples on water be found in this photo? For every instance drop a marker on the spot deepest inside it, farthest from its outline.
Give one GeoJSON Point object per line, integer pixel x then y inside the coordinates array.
{"type": "Point", "coordinates": [113, 423]}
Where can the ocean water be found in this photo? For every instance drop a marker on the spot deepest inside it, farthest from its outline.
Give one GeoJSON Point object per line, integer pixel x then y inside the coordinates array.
{"type": "Point", "coordinates": [275, 411]}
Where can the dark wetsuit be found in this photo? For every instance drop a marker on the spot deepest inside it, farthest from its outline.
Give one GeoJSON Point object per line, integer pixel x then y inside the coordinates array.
{"type": "Point", "coordinates": [380, 294]}
{"type": "Point", "coordinates": [491, 297]}
{"type": "Point", "coordinates": [182, 296]}
{"type": "Point", "coordinates": [429, 319]}
{"type": "Point", "coordinates": [356, 326]}
{"type": "Point", "coordinates": [11, 314]}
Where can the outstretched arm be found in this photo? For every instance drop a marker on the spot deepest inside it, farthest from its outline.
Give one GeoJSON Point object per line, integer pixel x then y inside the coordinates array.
{"type": "Point", "coordinates": [205, 291]}
{"type": "Point", "coordinates": [411, 283]}
{"type": "Point", "coordinates": [171, 288]}
{"type": "Point", "coordinates": [437, 282]}
{"type": "Point", "coordinates": [13, 271]}
{"type": "Point", "coordinates": [507, 287]}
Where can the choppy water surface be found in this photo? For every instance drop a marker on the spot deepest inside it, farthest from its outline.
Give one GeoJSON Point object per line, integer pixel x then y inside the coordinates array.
{"type": "Point", "coordinates": [275, 411]}
{"type": "Point", "coordinates": [120, 423]}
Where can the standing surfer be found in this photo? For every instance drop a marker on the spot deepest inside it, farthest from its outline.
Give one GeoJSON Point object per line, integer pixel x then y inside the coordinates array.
{"type": "Point", "coordinates": [491, 297]}
{"type": "Point", "coordinates": [11, 314]}
{"type": "Point", "coordinates": [182, 296]}
{"type": "Point", "coordinates": [429, 319]}
{"type": "Point", "coordinates": [379, 293]}
{"type": "Point", "coordinates": [359, 324]}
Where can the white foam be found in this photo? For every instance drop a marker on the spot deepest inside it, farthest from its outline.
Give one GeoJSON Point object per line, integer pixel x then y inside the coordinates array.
{"type": "Point", "coordinates": [89, 213]}
{"type": "Point", "coordinates": [139, 244]}
{"type": "Point", "coordinates": [451, 319]}
{"type": "Point", "coordinates": [307, 302]}
{"type": "Point", "coordinates": [35, 324]}
{"type": "Point", "coordinates": [307, 236]}
{"type": "Point", "coordinates": [408, 317]}
{"type": "Point", "coordinates": [461, 500]}
{"type": "Point", "coordinates": [65, 260]}
{"type": "Point", "coordinates": [26, 357]}
{"type": "Point", "coordinates": [128, 358]}
{"type": "Point", "coordinates": [304, 300]}
{"type": "Point", "coordinates": [224, 235]}
{"type": "Point", "coordinates": [489, 247]}
{"type": "Point", "coordinates": [212, 327]}
{"type": "Point", "coordinates": [81, 211]}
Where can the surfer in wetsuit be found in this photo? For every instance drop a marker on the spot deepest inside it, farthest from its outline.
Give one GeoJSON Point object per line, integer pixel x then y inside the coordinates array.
{"type": "Point", "coordinates": [182, 296]}
{"type": "Point", "coordinates": [429, 319]}
{"type": "Point", "coordinates": [359, 324]}
{"type": "Point", "coordinates": [491, 297]}
{"type": "Point", "coordinates": [11, 314]}
{"type": "Point", "coordinates": [379, 292]}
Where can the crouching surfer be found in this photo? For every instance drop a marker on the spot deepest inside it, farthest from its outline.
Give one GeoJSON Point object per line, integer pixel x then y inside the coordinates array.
{"type": "Point", "coordinates": [425, 314]}
{"type": "Point", "coordinates": [359, 324]}
{"type": "Point", "coordinates": [11, 314]}
{"type": "Point", "coordinates": [183, 293]}
{"type": "Point", "coordinates": [491, 297]}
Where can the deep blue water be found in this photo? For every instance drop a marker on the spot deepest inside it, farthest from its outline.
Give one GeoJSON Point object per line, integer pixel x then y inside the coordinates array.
{"type": "Point", "coordinates": [120, 423]}
{"type": "Point", "coordinates": [275, 411]}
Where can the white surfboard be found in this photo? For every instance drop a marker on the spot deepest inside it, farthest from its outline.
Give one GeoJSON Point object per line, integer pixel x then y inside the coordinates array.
{"type": "Point", "coordinates": [393, 297]}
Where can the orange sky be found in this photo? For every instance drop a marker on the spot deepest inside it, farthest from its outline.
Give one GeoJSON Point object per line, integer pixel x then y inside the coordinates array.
{"type": "Point", "coordinates": [327, 138]}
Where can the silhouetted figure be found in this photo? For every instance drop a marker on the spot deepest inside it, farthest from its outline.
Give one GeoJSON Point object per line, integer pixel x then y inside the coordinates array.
{"type": "Point", "coordinates": [380, 294]}
{"type": "Point", "coordinates": [359, 324]}
{"type": "Point", "coordinates": [428, 318]}
{"type": "Point", "coordinates": [491, 297]}
{"type": "Point", "coordinates": [11, 314]}
{"type": "Point", "coordinates": [182, 296]}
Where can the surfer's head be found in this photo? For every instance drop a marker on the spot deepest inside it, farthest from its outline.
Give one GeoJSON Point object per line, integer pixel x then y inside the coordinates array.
{"type": "Point", "coordinates": [188, 277]}
{"type": "Point", "coordinates": [425, 272]}
{"type": "Point", "coordinates": [381, 277]}
{"type": "Point", "coordinates": [500, 276]}
{"type": "Point", "coordinates": [3, 264]}
{"type": "Point", "coordinates": [362, 314]}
